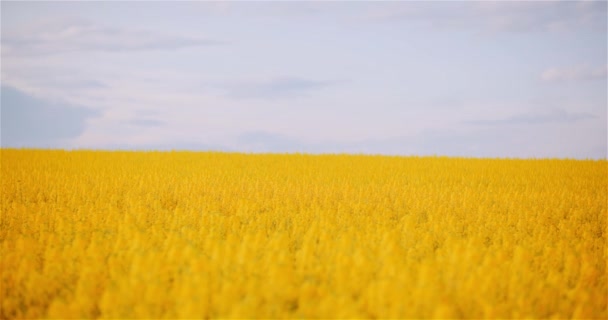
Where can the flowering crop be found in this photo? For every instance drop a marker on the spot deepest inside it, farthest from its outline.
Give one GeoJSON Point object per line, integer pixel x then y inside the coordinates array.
{"type": "Point", "coordinates": [88, 234]}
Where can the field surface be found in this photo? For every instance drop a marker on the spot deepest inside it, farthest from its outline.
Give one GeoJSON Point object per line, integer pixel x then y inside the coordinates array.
{"type": "Point", "coordinates": [213, 235]}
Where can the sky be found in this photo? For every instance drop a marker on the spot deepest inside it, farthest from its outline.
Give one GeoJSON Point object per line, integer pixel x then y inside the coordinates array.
{"type": "Point", "coordinates": [472, 79]}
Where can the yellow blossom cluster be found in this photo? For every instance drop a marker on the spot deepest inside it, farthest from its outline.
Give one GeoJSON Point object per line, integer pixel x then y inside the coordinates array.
{"type": "Point", "coordinates": [91, 234]}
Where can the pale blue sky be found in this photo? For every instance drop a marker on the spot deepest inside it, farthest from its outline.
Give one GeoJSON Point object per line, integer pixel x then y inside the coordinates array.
{"type": "Point", "coordinates": [480, 79]}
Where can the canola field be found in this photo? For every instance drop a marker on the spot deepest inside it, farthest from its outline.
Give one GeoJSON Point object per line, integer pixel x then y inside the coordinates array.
{"type": "Point", "coordinates": [89, 234]}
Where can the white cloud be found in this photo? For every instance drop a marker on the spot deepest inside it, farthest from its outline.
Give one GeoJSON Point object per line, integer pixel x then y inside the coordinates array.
{"type": "Point", "coordinates": [497, 16]}
{"type": "Point", "coordinates": [61, 36]}
{"type": "Point", "coordinates": [575, 73]}
{"type": "Point", "coordinates": [279, 87]}
{"type": "Point", "coordinates": [537, 118]}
